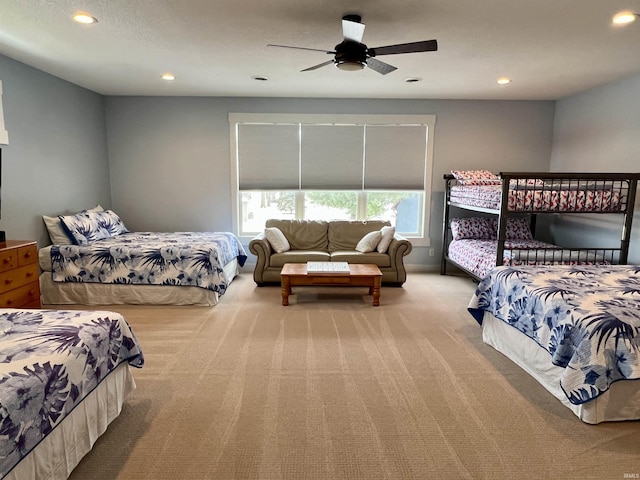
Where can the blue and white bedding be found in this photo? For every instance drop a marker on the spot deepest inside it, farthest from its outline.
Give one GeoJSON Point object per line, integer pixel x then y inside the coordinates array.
{"type": "Point", "coordinates": [151, 258]}
{"type": "Point", "coordinates": [50, 360]}
{"type": "Point", "coordinates": [586, 316]}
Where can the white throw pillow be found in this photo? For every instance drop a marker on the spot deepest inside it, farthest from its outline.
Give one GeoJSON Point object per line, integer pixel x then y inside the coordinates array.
{"type": "Point", "coordinates": [369, 242]}
{"type": "Point", "coordinates": [276, 238]}
{"type": "Point", "coordinates": [387, 236]}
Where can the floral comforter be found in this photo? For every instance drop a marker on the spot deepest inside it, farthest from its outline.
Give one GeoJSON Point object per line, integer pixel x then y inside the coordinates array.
{"type": "Point", "coordinates": [148, 258]}
{"type": "Point", "coordinates": [50, 360]}
{"type": "Point", "coordinates": [538, 199]}
{"type": "Point", "coordinates": [479, 256]}
{"type": "Point", "coordinates": [586, 317]}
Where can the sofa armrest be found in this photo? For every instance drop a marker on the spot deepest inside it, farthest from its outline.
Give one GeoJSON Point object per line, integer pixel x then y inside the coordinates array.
{"type": "Point", "coordinates": [261, 248]}
{"type": "Point", "coordinates": [398, 248]}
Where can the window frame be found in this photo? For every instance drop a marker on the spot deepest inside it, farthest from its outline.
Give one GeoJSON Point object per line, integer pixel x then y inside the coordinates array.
{"type": "Point", "coordinates": [428, 121]}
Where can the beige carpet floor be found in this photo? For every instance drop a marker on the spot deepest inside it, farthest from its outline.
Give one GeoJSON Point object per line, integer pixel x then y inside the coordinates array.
{"type": "Point", "coordinates": [331, 387]}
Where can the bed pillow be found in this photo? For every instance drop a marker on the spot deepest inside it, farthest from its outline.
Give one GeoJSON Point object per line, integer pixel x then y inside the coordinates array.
{"type": "Point", "coordinates": [90, 226]}
{"type": "Point", "coordinates": [476, 177]}
{"type": "Point", "coordinates": [57, 232]}
{"type": "Point", "coordinates": [517, 229]}
{"type": "Point", "coordinates": [479, 228]}
{"type": "Point", "coordinates": [276, 239]}
{"type": "Point", "coordinates": [112, 223]}
{"type": "Point", "coordinates": [369, 242]}
{"type": "Point", "coordinates": [385, 239]}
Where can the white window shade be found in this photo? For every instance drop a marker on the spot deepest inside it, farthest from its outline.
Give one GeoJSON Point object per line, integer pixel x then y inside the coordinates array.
{"type": "Point", "coordinates": [332, 152]}
{"type": "Point", "coordinates": [268, 157]}
{"type": "Point", "coordinates": [331, 157]}
{"type": "Point", "coordinates": [395, 157]}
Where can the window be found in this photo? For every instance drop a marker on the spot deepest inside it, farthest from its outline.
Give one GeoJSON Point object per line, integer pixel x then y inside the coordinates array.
{"type": "Point", "coordinates": [327, 167]}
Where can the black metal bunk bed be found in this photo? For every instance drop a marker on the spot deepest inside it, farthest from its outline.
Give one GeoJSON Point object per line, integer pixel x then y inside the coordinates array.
{"type": "Point", "coordinates": [526, 195]}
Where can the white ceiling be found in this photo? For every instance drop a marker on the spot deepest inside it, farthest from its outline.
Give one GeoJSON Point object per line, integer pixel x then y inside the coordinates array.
{"type": "Point", "coordinates": [550, 48]}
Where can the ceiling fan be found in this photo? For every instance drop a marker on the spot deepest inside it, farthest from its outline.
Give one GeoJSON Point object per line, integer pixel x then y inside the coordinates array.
{"type": "Point", "coordinates": [352, 54]}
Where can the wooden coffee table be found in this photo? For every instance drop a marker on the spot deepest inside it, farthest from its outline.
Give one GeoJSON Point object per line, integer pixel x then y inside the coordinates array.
{"type": "Point", "coordinates": [360, 275]}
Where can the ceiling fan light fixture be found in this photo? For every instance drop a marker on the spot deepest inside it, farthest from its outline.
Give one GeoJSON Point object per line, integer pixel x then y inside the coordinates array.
{"type": "Point", "coordinates": [350, 65]}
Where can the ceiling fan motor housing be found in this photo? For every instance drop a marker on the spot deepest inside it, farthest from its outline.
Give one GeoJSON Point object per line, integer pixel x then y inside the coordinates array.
{"type": "Point", "coordinates": [351, 55]}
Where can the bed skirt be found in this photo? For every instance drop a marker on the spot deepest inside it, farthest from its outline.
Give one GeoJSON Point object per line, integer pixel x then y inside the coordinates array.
{"type": "Point", "coordinates": [76, 293]}
{"type": "Point", "coordinates": [620, 402]}
{"type": "Point", "coordinates": [62, 450]}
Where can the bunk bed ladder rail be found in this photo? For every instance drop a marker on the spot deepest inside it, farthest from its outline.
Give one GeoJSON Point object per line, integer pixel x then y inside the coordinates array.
{"type": "Point", "coordinates": [502, 218]}
{"type": "Point", "coordinates": [628, 218]}
{"type": "Point", "coordinates": [446, 227]}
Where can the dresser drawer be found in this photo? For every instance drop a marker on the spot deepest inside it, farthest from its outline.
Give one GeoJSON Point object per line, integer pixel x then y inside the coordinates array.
{"type": "Point", "coordinates": [18, 298]}
{"type": "Point", "coordinates": [27, 255]}
{"type": "Point", "coordinates": [18, 277]}
{"type": "Point", "coordinates": [8, 260]}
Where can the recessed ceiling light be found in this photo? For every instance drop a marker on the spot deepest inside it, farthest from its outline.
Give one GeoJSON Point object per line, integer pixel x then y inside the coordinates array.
{"type": "Point", "coordinates": [260, 78]}
{"type": "Point", "coordinates": [82, 17]}
{"type": "Point", "coordinates": [168, 76]}
{"type": "Point", "coordinates": [504, 81]}
{"type": "Point", "coordinates": [413, 79]}
{"type": "Point", "coordinates": [623, 18]}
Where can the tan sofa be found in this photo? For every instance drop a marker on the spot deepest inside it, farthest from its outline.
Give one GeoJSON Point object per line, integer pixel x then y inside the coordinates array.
{"type": "Point", "coordinates": [333, 241]}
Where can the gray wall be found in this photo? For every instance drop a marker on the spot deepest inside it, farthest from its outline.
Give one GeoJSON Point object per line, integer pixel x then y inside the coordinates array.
{"type": "Point", "coordinates": [163, 163]}
{"type": "Point", "coordinates": [597, 131]}
{"type": "Point", "coordinates": [56, 160]}
{"type": "Point", "coordinates": [170, 157]}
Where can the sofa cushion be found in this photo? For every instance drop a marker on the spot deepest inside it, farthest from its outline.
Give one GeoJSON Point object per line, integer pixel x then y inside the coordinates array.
{"type": "Point", "coordinates": [345, 235]}
{"type": "Point", "coordinates": [298, 256]}
{"type": "Point", "coordinates": [302, 234]}
{"type": "Point", "coordinates": [351, 256]}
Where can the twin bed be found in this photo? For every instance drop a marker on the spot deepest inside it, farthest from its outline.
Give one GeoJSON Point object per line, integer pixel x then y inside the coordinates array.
{"type": "Point", "coordinates": [64, 376]}
{"type": "Point", "coordinates": [574, 328]}
{"type": "Point", "coordinates": [95, 260]}
{"type": "Point", "coordinates": [569, 316]}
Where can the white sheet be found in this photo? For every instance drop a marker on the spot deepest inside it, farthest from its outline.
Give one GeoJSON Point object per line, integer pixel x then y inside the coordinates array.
{"type": "Point", "coordinates": [60, 452]}
{"type": "Point", "coordinates": [620, 402]}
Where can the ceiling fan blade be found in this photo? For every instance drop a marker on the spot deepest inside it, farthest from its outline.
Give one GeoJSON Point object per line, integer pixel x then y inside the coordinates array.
{"type": "Point", "coordinates": [352, 30]}
{"type": "Point", "coordinates": [379, 66]}
{"type": "Point", "coordinates": [315, 67]}
{"type": "Point", "coordinates": [300, 48]}
{"type": "Point", "coordinates": [413, 47]}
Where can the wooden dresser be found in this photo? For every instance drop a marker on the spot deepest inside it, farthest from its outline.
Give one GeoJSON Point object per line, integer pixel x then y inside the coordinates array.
{"type": "Point", "coordinates": [19, 284]}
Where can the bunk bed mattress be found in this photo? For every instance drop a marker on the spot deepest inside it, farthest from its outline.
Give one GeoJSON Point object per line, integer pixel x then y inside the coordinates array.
{"type": "Point", "coordinates": [540, 198]}
{"type": "Point", "coordinates": [51, 362]}
{"type": "Point", "coordinates": [185, 259]}
{"type": "Point", "coordinates": [585, 318]}
{"type": "Point", "coordinates": [478, 256]}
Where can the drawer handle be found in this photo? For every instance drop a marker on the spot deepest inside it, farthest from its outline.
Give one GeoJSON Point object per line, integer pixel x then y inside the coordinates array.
{"type": "Point", "coordinates": [30, 274]}
{"type": "Point", "coordinates": [8, 281]}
